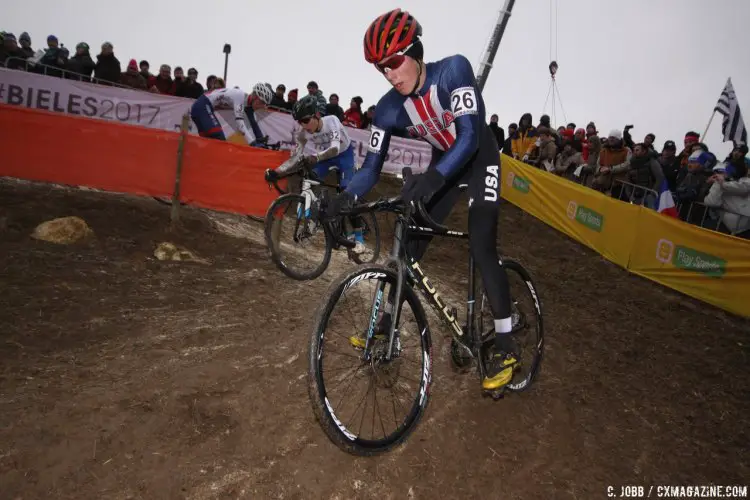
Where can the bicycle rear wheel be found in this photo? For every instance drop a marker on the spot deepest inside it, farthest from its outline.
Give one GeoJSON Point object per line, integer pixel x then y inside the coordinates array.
{"type": "Point", "coordinates": [338, 393]}
{"type": "Point", "coordinates": [298, 243]}
{"type": "Point", "coordinates": [528, 327]}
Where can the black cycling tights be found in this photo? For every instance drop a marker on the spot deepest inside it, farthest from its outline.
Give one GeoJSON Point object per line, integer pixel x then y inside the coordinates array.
{"type": "Point", "coordinates": [483, 176]}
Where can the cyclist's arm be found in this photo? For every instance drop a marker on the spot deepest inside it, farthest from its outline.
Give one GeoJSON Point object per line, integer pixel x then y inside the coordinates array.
{"type": "Point", "coordinates": [367, 176]}
{"type": "Point", "coordinates": [253, 122]}
{"type": "Point", "coordinates": [335, 147]}
{"type": "Point", "coordinates": [465, 108]}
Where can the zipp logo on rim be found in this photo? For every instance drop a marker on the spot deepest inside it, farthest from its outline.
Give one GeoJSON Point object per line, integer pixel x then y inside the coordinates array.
{"type": "Point", "coordinates": [363, 276]}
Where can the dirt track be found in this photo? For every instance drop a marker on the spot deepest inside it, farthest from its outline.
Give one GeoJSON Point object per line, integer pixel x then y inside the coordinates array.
{"type": "Point", "coordinates": [126, 377]}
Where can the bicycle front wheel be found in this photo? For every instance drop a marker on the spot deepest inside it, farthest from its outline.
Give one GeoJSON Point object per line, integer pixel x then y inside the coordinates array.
{"type": "Point", "coordinates": [298, 243]}
{"type": "Point", "coordinates": [366, 403]}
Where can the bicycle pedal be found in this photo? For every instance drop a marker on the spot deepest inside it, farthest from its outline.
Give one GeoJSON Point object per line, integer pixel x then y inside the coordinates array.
{"type": "Point", "coordinates": [495, 394]}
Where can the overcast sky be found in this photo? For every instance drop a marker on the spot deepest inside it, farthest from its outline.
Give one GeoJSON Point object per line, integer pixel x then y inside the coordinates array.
{"type": "Point", "coordinates": [659, 65]}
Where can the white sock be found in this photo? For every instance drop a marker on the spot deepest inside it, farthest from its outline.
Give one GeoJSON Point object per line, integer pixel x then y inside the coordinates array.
{"type": "Point", "coordinates": [504, 325]}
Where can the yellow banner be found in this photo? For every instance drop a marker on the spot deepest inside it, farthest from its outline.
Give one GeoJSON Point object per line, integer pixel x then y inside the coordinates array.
{"type": "Point", "coordinates": [585, 215]}
{"type": "Point", "coordinates": [704, 264]}
{"type": "Point", "coordinates": [707, 265]}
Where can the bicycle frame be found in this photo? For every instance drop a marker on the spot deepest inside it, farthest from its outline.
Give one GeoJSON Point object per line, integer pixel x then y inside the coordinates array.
{"type": "Point", "coordinates": [409, 268]}
{"type": "Point", "coordinates": [310, 197]}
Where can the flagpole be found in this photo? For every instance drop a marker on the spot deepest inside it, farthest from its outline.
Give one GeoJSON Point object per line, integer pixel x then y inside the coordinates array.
{"type": "Point", "coordinates": [703, 137]}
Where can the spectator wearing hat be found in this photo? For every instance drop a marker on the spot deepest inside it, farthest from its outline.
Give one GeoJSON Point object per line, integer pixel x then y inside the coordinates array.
{"type": "Point", "coordinates": [108, 68]}
{"type": "Point", "coordinates": [730, 191]}
{"type": "Point", "coordinates": [670, 164]}
{"type": "Point", "coordinates": [278, 97]}
{"type": "Point", "coordinates": [54, 60]}
{"type": "Point", "coordinates": [25, 41]}
{"type": "Point", "coordinates": [313, 90]}
{"type": "Point", "coordinates": [10, 55]}
{"type": "Point", "coordinates": [353, 115]}
{"type": "Point", "coordinates": [547, 149]}
{"type": "Point", "coordinates": [523, 138]}
{"type": "Point", "coordinates": [192, 87]}
{"type": "Point", "coordinates": [80, 67]}
{"type": "Point", "coordinates": [613, 164]}
{"type": "Point", "coordinates": [132, 77]}
{"type": "Point", "coordinates": [692, 186]}
{"type": "Point", "coordinates": [592, 147]}
{"type": "Point", "coordinates": [162, 83]}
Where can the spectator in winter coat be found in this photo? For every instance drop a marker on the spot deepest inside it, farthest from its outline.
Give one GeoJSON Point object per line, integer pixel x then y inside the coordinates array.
{"type": "Point", "coordinates": [645, 172]}
{"type": "Point", "coordinates": [192, 88]}
{"type": "Point", "coordinates": [592, 147]}
{"type": "Point", "coordinates": [291, 98]}
{"type": "Point", "coordinates": [312, 89]}
{"type": "Point", "coordinates": [524, 137]}
{"type": "Point", "coordinates": [547, 149]}
{"type": "Point", "coordinates": [738, 158]}
{"type": "Point", "coordinates": [570, 158]}
{"type": "Point", "coordinates": [132, 78]}
{"type": "Point", "coordinates": [508, 144]}
{"type": "Point", "coordinates": [367, 119]}
{"type": "Point", "coordinates": [353, 115]}
{"type": "Point", "coordinates": [10, 55]}
{"type": "Point", "coordinates": [614, 162]}
{"type": "Point", "coordinates": [278, 97]}
{"type": "Point", "coordinates": [145, 73]}
{"type": "Point", "coordinates": [54, 59]}
{"type": "Point", "coordinates": [670, 164]}
{"type": "Point", "coordinates": [498, 131]}
{"type": "Point", "coordinates": [690, 139]}
{"type": "Point", "coordinates": [730, 191]}
{"type": "Point", "coordinates": [108, 67]}
{"type": "Point", "coordinates": [25, 41]}
{"type": "Point", "coordinates": [179, 80]}
{"type": "Point", "coordinates": [162, 83]}
{"type": "Point", "coordinates": [81, 66]}
{"type": "Point", "coordinates": [692, 186]}
{"type": "Point", "coordinates": [333, 108]}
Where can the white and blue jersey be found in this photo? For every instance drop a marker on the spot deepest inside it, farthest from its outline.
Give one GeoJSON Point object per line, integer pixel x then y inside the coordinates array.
{"type": "Point", "coordinates": [334, 148]}
{"type": "Point", "coordinates": [448, 112]}
{"type": "Point", "coordinates": [203, 113]}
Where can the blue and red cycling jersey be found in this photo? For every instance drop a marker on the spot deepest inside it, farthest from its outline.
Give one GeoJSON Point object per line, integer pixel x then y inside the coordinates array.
{"type": "Point", "coordinates": [448, 112]}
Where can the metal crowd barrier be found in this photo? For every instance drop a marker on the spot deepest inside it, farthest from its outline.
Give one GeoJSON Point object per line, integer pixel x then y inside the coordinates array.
{"type": "Point", "coordinates": [31, 67]}
{"type": "Point", "coordinates": [711, 218]}
{"type": "Point", "coordinates": [633, 189]}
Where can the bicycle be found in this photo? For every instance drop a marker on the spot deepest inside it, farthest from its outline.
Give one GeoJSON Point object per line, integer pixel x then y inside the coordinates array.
{"type": "Point", "coordinates": [308, 224]}
{"type": "Point", "coordinates": [384, 354]}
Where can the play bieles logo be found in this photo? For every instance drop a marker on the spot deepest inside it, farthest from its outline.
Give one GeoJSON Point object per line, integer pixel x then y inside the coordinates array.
{"type": "Point", "coordinates": [517, 182]}
{"type": "Point", "coordinates": [585, 216]}
{"type": "Point", "coordinates": [690, 259]}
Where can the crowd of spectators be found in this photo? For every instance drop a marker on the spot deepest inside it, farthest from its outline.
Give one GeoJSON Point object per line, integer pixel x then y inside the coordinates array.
{"type": "Point", "coordinates": [707, 192]}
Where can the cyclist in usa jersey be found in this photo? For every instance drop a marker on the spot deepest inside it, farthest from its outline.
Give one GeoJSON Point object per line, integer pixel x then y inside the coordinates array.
{"type": "Point", "coordinates": [440, 103]}
{"type": "Point", "coordinates": [203, 111]}
{"type": "Point", "coordinates": [335, 149]}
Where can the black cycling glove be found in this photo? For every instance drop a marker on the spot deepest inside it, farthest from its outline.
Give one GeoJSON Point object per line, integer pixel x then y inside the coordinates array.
{"type": "Point", "coordinates": [422, 186]}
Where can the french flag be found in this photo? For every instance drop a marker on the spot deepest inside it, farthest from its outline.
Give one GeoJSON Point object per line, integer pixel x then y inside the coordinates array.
{"type": "Point", "coordinates": [665, 204]}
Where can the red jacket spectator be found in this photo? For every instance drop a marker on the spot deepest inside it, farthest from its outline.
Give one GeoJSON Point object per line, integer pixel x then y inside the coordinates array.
{"type": "Point", "coordinates": [353, 115]}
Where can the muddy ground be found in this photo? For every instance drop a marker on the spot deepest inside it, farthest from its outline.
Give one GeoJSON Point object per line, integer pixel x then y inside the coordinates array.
{"type": "Point", "coordinates": [126, 377]}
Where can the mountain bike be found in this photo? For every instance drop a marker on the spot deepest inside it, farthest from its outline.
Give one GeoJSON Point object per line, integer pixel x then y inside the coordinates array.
{"type": "Point", "coordinates": [298, 258]}
{"type": "Point", "coordinates": [388, 341]}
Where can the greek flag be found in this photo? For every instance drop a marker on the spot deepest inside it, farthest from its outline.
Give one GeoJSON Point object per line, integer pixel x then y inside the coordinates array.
{"type": "Point", "coordinates": [733, 126]}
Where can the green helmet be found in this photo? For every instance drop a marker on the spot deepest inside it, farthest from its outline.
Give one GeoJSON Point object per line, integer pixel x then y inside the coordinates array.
{"type": "Point", "coordinates": [307, 106]}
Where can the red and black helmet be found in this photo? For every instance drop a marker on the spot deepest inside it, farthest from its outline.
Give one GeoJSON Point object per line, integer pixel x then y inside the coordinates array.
{"type": "Point", "coordinates": [390, 33]}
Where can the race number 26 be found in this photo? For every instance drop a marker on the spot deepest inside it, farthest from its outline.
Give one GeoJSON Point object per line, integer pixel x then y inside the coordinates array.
{"type": "Point", "coordinates": [464, 102]}
{"type": "Point", "coordinates": [375, 145]}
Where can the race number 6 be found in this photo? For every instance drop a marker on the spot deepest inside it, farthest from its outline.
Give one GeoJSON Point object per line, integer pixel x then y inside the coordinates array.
{"type": "Point", "coordinates": [464, 102]}
{"type": "Point", "coordinates": [376, 140]}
